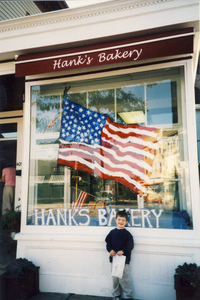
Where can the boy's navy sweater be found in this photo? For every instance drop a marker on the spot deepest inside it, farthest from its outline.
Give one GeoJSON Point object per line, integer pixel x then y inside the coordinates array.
{"type": "Point", "coordinates": [120, 240]}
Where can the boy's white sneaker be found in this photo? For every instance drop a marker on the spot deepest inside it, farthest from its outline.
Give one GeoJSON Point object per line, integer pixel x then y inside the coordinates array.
{"type": "Point", "coordinates": [116, 298]}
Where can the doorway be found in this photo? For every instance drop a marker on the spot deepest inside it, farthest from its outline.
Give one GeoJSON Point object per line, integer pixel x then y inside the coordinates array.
{"type": "Point", "coordinates": [11, 153]}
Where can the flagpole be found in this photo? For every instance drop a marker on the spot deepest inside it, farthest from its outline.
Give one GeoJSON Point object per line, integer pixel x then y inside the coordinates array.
{"type": "Point", "coordinates": [76, 186]}
{"type": "Point", "coordinates": [77, 178]}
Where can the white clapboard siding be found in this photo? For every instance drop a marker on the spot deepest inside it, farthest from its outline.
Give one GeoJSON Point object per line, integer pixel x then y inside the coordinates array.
{"type": "Point", "coordinates": [17, 9]}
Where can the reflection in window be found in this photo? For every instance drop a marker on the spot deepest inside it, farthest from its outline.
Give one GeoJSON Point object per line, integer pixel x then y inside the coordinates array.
{"type": "Point", "coordinates": [46, 141]}
{"type": "Point", "coordinates": [150, 99]}
{"type": "Point", "coordinates": [102, 101]}
{"type": "Point", "coordinates": [162, 103]}
{"type": "Point", "coordinates": [48, 114]}
{"type": "Point", "coordinates": [131, 105]}
{"type": "Point", "coordinates": [79, 98]}
{"type": "Point", "coordinates": [8, 130]}
{"type": "Point", "coordinates": [49, 182]}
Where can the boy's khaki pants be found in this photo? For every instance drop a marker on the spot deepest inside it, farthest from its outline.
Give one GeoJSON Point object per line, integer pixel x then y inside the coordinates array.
{"type": "Point", "coordinates": [123, 285]}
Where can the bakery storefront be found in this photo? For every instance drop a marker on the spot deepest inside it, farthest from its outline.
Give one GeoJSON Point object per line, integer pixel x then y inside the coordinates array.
{"type": "Point", "coordinates": [79, 185]}
{"type": "Point", "coordinates": [110, 125]}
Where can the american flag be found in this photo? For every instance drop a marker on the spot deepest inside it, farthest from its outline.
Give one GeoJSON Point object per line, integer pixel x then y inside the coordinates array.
{"type": "Point", "coordinates": [78, 198]}
{"type": "Point", "coordinates": [92, 142]}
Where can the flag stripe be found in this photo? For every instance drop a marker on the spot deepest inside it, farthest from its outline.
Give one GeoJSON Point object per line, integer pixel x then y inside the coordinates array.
{"type": "Point", "coordinates": [108, 170]}
{"type": "Point", "coordinates": [138, 129]}
{"type": "Point", "coordinates": [121, 177]}
{"type": "Point", "coordinates": [116, 155]}
{"type": "Point", "coordinates": [97, 166]}
{"type": "Point", "coordinates": [130, 148]}
{"type": "Point", "coordinates": [77, 161]}
{"type": "Point", "coordinates": [127, 139]}
{"type": "Point", "coordinates": [132, 170]}
{"type": "Point", "coordinates": [103, 160]}
{"type": "Point", "coordinates": [133, 184]}
{"type": "Point", "coordinates": [123, 148]}
{"type": "Point", "coordinates": [75, 165]}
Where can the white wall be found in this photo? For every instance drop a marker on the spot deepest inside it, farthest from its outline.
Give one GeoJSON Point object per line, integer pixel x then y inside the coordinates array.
{"type": "Point", "coordinates": [82, 267]}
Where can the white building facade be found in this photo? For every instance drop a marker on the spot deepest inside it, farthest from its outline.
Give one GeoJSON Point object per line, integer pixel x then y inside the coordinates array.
{"type": "Point", "coordinates": [136, 62]}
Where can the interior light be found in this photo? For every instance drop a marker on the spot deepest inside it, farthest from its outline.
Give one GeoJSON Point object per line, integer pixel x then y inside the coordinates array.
{"type": "Point", "coordinates": [133, 117]}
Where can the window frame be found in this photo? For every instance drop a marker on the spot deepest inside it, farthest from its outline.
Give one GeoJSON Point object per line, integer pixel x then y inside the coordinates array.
{"type": "Point", "coordinates": [192, 158]}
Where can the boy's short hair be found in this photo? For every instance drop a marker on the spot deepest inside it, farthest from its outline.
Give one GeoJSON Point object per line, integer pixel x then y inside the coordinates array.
{"type": "Point", "coordinates": [122, 214]}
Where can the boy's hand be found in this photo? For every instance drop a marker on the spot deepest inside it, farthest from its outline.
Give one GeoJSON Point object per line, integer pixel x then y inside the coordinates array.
{"type": "Point", "coordinates": [120, 253]}
{"type": "Point", "coordinates": [112, 253]}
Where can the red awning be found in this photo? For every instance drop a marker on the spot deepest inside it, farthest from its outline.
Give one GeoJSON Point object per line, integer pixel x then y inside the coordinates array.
{"type": "Point", "coordinates": [173, 43]}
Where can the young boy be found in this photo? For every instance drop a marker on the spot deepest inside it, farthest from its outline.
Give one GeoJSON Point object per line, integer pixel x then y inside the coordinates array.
{"type": "Point", "coordinates": [119, 241]}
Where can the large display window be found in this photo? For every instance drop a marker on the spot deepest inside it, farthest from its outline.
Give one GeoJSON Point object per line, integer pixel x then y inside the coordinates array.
{"type": "Point", "coordinates": [67, 196]}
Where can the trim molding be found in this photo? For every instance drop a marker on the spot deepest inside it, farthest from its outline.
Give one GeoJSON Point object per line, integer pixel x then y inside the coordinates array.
{"type": "Point", "coordinates": [28, 22]}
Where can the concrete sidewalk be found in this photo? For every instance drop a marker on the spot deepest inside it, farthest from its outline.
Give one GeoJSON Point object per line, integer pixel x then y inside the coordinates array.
{"type": "Point", "coordinates": [56, 296]}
